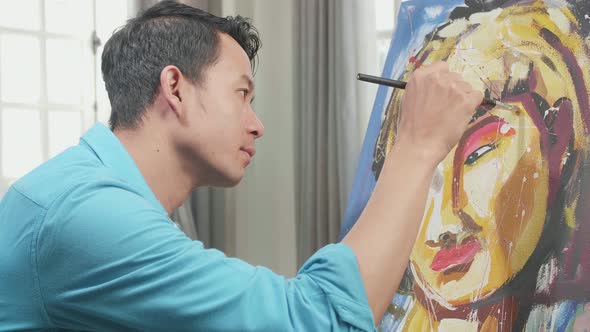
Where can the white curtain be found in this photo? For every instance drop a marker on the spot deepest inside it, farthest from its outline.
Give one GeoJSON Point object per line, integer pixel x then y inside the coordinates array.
{"type": "Point", "coordinates": [335, 40]}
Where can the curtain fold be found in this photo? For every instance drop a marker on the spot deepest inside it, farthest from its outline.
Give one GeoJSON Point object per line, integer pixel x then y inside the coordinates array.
{"type": "Point", "coordinates": [203, 217]}
{"type": "Point", "coordinates": [335, 40]}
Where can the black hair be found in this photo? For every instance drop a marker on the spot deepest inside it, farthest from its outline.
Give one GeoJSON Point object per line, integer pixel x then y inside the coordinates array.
{"type": "Point", "coordinates": [168, 33]}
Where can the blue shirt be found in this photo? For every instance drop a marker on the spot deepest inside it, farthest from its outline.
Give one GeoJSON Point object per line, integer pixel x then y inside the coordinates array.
{"type": "Point", "coordinates": [85, 245]}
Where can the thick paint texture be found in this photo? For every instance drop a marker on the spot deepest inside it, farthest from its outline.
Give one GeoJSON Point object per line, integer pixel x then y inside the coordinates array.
{"type": "Point", "coordinates": [504, 244]}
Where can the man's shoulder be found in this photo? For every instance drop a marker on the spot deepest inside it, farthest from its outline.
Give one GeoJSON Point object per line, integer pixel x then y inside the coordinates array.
{"type": "Point", "coordinates": [76, 167]}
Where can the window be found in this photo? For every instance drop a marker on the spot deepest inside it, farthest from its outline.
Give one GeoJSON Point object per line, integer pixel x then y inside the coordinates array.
{"type": "Point", "coordinates": [386, 14]}
{"type": "Point", "coordinates": [51, 89]}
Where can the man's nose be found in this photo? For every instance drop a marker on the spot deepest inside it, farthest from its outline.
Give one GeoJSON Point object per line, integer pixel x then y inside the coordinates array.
{"type": "Point", "coordinates": [255, 126]}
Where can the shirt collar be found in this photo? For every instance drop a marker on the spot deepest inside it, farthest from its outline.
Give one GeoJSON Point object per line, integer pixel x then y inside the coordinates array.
{"type": "Point", "coordinates": [113, 154]}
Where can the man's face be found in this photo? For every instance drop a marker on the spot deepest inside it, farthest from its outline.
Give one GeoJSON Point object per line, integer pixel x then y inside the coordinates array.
{"type": "Point", "coordinates": [221, 125]}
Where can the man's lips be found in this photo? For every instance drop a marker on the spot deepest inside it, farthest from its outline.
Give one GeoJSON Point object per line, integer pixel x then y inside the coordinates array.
{"type": "Point", "coordinates": [455, 255]}
{"type": "Point", "coordinates": [249, 150]}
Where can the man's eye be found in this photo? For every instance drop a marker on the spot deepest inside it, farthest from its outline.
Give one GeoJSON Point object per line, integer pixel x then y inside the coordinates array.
{"type": "Point", "coordinates": [244, 93]}
{"type": "Point", "coordinates": [472, 158]}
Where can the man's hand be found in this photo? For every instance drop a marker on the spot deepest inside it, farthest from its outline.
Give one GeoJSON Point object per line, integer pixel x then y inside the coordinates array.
{"type": "Point", "coordinates": [436, 108]}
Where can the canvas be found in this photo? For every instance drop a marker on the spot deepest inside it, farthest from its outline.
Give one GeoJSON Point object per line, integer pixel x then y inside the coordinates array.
{"type": "Point", "coordinates": [504, 243]}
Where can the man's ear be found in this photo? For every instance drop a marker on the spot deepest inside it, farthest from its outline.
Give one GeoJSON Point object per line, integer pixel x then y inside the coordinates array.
{"type": "Point", "coordinates": [170, 80]}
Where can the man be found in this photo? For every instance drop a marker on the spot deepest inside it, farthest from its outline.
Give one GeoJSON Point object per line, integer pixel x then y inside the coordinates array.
{"type": "Point", "coordinates": [86, 242]}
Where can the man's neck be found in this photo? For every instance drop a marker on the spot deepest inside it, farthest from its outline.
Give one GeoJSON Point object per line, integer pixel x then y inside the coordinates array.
{"type": "Point", "coordinates": [158, 163]}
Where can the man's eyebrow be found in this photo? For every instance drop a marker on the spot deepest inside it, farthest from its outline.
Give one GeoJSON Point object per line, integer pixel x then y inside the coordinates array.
{"type": "Point", "coordinates": [248, 80]}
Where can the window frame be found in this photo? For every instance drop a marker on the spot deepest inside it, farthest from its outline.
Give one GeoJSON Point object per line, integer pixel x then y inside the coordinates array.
{"type": "Point", "coordinates": [90, 100]}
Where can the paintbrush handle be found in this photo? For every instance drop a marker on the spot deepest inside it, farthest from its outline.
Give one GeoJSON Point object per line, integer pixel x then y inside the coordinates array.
{"type": "Point", "coordinates": [489, 102]}
{"type": "Point", "coordinates": [402, 85]}
{"type": "Point", "coordinates": [382, 81]}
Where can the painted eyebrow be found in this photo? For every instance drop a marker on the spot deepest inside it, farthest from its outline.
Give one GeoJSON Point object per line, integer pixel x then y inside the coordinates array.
{"type": "Point", "coordinates": [484, 133]}
{"type": "Point", "coordinates": [474, 134]}
{"type": "Point", "coordinates": [478, 114]}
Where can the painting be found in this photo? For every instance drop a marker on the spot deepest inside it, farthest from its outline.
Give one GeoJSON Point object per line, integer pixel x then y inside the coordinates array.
{"type": "Point", "coordinates": [504, 243]}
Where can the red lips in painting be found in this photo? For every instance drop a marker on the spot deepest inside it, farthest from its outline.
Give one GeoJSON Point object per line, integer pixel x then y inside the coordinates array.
{"type": "Point", "coordinates": [455, 255]}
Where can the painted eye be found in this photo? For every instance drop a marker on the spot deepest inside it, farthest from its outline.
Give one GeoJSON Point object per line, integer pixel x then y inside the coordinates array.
{"type": "Point", "coordinates": [472, 158]}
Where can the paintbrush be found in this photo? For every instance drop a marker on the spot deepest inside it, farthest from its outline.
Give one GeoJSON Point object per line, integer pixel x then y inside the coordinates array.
{"type": "Point", "coordinates": [402, 85]}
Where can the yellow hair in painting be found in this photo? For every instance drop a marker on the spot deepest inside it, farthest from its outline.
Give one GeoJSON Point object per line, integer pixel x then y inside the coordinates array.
{"type": "Point", "coordinates": [534, 49]}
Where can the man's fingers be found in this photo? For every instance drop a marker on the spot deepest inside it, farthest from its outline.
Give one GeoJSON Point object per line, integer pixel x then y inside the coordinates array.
{"type": "Point", "coordinates": [476, 98]}
{"type": "Point", "coordinates": [437, 67]}
{"type": "Point", "coordinates": [440, 66]}
{"type": "Point", "coordinates": [458, 81]}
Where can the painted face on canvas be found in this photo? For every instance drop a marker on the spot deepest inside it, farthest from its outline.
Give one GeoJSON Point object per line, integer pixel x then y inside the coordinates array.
{"type": "Point", "coordinates": [488, 200]}
{"type": "Point", "coordinates": [486, 209]}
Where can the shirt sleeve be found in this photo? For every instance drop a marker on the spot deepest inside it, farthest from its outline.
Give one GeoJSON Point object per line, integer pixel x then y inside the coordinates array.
{"type": "Point", "coordinates": [107, 260]}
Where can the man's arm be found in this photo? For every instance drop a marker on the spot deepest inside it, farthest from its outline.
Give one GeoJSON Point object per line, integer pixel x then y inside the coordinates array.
{"type": "Point", "coordinates": [108, 261]}
{"type": "Point", "coordinates": [436, 109]}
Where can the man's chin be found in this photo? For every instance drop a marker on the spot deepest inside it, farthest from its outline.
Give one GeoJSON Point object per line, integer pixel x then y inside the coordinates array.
{"type": "Point", "coordinates": [230, 184]}
{"type": "Point", "coordinates": [229, 181]}
{"type": "Point", "coordinates": [221, 178]}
